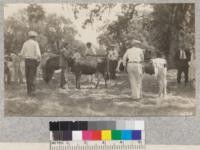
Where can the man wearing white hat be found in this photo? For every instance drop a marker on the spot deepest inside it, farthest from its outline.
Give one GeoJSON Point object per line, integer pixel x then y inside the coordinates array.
{"type": "Point", "coordinates": [31, 53]}
{"type": "Point", "coordinates": [133, 59]}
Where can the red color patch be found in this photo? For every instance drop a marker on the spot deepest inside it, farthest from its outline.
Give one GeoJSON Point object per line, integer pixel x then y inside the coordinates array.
{"type": "Point", "coordinates": [96, 135]}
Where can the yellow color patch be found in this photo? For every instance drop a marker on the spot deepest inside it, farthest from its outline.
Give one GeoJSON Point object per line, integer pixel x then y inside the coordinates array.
{"type": "Point", "coordinates": [106, 135]}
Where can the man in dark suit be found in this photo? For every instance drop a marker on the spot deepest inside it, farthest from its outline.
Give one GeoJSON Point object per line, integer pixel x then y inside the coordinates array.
{"type": "Point", "coordinates": [182, 58]}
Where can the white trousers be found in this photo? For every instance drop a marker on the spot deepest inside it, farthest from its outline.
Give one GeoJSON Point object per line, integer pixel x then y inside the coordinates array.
{"type": "Point", "coordinates": [135, 77]}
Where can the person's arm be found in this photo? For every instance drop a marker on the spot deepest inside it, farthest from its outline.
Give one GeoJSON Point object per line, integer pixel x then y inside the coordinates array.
{"type": "Point", "coordinates": [21, 54]}
{"type": "Point", "coordinates": [38, 53]}
{"type": "Point", "coordinates": [142, 55]}
{"type": "Point", "coordinates": [109, 55]}
{"type": "Point", "coordinates": [125, 57]}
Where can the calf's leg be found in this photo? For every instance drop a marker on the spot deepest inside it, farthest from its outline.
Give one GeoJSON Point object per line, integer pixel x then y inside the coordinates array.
{"type": "Point", "coordinates": [98, 80]}
{"type": "Point", "coordinates": [78, 76]}
{"type": "Point", "coordinates": [105, 79]}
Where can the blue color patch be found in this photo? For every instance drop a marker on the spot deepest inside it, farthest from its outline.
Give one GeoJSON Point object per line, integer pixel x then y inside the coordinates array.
{"type": "Point", "coordinates": [126, 135]}
{"type": "Point", "coordinates": [136, 135]}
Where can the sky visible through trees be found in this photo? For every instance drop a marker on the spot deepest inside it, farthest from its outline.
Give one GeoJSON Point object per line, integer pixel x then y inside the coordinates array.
{"type": "Point", "coordinates": [160, 27]}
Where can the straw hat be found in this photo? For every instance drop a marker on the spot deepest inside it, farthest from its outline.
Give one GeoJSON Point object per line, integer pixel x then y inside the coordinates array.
{"type": "Point", "coordinates": [32, 34]}
{"type": "Point", "coordinates": [135, 42]}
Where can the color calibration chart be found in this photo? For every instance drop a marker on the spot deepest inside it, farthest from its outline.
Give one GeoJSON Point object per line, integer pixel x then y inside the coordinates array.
{"type": "Point", "coordinates": [97, 135]}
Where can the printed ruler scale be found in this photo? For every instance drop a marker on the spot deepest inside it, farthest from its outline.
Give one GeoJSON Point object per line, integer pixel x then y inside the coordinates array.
{"type": "Point", "coordinates": [97, 135]}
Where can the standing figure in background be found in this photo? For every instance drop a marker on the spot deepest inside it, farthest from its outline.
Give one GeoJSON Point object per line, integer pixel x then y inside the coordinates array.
{"type": "Point", "coordinates": [76, 55]}
{"type": "Point", "coordinates": [182, 57]}
{"type": "Point", "coordinates": [64, 55]}
{"type": "Point", "coordinates": [7, 71]}
{"type": "Point", "coordinates": [133, 57]}
{"type": "Point", "coordinates": [18, 77]}
{"type": "Point", "coordinates": [90, 54]}
{"type": "Point", "coordinates": [192, 69]}
{"type": "Point", "coordinates": [90, 51]}
{"type": "Point", "coordinates": [113, 60]}
{"type": "Point", "coordinates": [32, 55]}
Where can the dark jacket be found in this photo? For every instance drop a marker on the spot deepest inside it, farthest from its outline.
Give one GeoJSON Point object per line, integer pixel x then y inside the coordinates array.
{"type": "Point", "coordinates": [182, 62]}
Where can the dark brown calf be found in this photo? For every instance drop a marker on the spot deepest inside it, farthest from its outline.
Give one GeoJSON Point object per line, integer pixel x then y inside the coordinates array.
{"type": "Point", "coordinates": [88, 67]}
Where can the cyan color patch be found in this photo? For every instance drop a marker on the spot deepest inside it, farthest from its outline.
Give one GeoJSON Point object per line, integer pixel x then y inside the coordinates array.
{"type": "Point", "coordinates": [126, 134]}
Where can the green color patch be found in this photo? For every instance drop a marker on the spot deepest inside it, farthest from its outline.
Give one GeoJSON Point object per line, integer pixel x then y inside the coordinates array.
{"type": "Point", "coordinates": [116, 135]}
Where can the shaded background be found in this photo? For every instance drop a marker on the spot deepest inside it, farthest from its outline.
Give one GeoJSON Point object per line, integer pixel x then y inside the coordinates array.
{"type": "Point", "coordinates": [159, 130]}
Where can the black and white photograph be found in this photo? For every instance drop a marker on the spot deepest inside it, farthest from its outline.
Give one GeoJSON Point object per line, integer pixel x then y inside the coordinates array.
{"type": "Point", "coordinates": [99, 59]}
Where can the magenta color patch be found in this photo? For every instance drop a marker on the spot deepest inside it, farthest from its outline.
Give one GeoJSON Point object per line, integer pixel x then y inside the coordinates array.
{"type": "Point", "coordinates": [87, 135]}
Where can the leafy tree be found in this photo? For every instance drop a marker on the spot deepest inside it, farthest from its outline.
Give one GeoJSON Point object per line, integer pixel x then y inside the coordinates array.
{"type": "Point", "coordinates": [15, 30]}
{"type": "Point", "coordinates": [35, 13]}
{"type": "Point", "coordinates": [52, 30]}
{"type": "Point", "coordinates": [57, 30]}
{"type": "Point", "coordinates": [170, 27]}
{"type": "Point", "coordinates": [167, 28]}
{"type": "Point", "coordinates": [129, 25]}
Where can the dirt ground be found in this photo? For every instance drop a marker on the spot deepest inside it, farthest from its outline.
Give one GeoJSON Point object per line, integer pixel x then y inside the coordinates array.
{"type": "Point", "coordinates": [115, 101]}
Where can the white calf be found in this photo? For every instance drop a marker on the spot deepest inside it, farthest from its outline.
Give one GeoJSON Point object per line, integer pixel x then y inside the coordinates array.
{"type": "Point", "coordinates": [160, 67]}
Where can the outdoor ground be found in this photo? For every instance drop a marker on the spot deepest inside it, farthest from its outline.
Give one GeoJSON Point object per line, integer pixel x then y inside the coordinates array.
{"type": "Point", "coordinates": [50, 100]}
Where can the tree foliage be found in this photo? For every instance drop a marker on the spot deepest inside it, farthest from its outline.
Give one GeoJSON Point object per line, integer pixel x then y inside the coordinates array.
{"type": "Point", "coordinates": [173, 27]}
{"type": "Point", "coordinates": [167, 28]}
{"type": "Point", "coordinates": [35, 13]}
{"type": "Point", "coordinates": [52, 30]}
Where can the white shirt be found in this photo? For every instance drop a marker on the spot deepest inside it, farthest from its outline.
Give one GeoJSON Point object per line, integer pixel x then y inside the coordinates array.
{"type": "Point", "coordinates": [76, 55]}
{"type": "Point", "coordinates": [113, 55]}
{"type": "Point", "coordinates": [133, 54]}
{"type": "Point", "coordinates": [182, 54]}
{"type": "Point", "coordinates": [90, 51]}
{"type": "Point", "coordinates": [31, 50]}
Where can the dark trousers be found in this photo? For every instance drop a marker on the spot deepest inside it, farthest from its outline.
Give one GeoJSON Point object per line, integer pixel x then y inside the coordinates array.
{"type": "Point", "coordinates": [7, 74]}
{"type": "Point", "coordinates": [183, 69]}
{"type": "Point", "coordinates": [112, 68]}
{"type": "Point", "coordinates": [30, 72]}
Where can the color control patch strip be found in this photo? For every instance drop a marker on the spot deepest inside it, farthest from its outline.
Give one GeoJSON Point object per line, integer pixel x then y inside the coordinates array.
{"type": "Point", "coordinates": [96, 135]}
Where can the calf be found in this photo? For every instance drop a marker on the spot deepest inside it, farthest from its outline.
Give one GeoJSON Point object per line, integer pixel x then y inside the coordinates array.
{"type": "Point", "coordinates": [88, 67]}
{"type": "Point", "coordinates": [160, 67]}
{"type": "Point", "coordinates": [49, 67]}
{"type": "Point", "coordinates": [156, 67]}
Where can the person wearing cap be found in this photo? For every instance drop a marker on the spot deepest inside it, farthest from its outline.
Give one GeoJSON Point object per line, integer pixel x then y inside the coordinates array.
{"type": "Point", "coordinates": [32, 55]}
{"type": "Point", "coordinates": [113, 58]}
{"type": "Point", "coordinates": [64, 55]}
{"type": "Point", "coordinates": [132, 59]}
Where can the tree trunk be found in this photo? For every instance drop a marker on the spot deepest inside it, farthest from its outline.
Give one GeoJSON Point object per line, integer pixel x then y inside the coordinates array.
{"type": "Point", "coordinates": [174, 45]}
